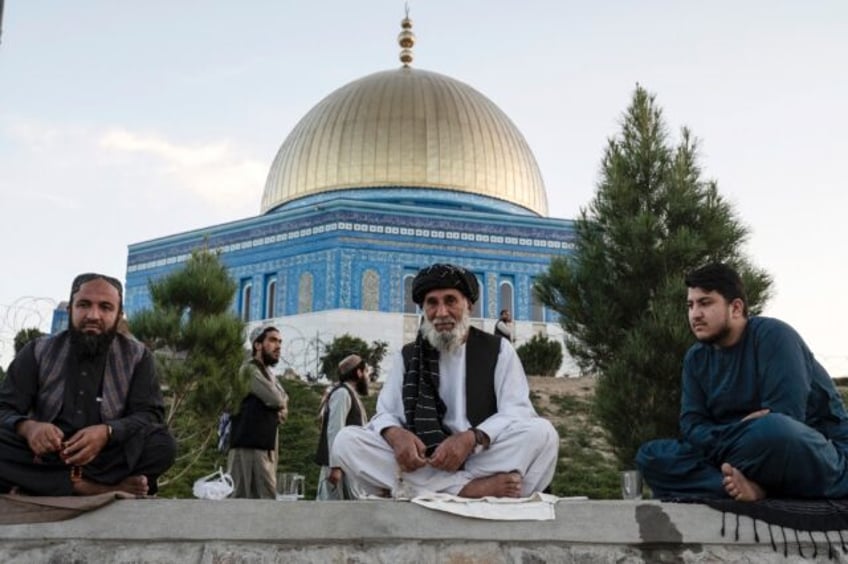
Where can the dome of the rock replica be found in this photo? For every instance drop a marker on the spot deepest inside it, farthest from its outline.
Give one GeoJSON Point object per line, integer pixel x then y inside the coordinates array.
{"type": "Point", "coordinates": [391, 172]}
{"type": "Point", "coordinates": [406, 129]}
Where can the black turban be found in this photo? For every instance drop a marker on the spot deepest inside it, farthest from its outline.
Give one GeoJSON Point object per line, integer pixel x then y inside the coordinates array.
{"type": "Point", "coordinates": [444, 276]}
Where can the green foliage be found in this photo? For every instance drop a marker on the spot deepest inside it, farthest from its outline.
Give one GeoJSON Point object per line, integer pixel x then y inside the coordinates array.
{"type": "Point", "coordinates": [347, 344]}
{"type": "Point", "coordinates": [585, 465]}
{"type": "Point", "coordinates": [300, 433]}
{"type": "Point", "coordinates": [540, 356]}
{"type": "Point", "coordinates": [621, 296]}
{"type": "Point", "coordinates": [197, 342]}
{"type": "Point", "coordinates": [298, 443]}
{"type": "Point", "coordinates": [24, 336]}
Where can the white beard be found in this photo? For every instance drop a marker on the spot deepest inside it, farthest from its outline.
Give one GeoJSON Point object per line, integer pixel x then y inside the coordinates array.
{"type": "Point", "coordinates": [446, 341]}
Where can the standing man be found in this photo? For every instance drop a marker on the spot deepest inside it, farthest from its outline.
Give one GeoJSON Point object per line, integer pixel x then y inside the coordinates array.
{"type": "Point", "coordinates": [81, 412]}
{"type": "Point", "coordinates": [340, 408]}
{"type": "Point", "coordinates": [759, 416]}
{"type": "Point", "coordinates": [503, 328]}
{"type": "Point", "coordinates": [454, 415]}
{"type": "Point", "coordinates": [253, 436]}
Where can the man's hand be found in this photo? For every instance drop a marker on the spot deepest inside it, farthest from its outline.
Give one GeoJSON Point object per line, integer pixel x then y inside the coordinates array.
{"type": "Point", "coordinates": [756, 414]}
{"type": "Point", "coordinates": [335, 476]}
{"type": "Point", "coordinates": [453, 451]}
{"type": "Point", "coordinates": [409, 450]}
{"type": "Point", "coordinates": [85, 445]}
{"type": "Point", "coordinates": [42, 438]}
{"type": "Point", "coordinates": [282, 414]}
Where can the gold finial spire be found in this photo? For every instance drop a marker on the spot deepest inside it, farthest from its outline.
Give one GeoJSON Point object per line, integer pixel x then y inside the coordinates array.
{"type": "Point", "coordinates": [406, 39]}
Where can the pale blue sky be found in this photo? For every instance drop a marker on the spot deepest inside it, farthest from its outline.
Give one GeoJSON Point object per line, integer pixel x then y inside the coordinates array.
{"type": "Point", "coordinates": [125, 121]}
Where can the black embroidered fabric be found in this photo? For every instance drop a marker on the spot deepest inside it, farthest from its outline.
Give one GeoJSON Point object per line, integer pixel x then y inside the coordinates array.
{"type": "Point", "coordinates": [802, 517]}
{"type": "Point", "coordinates": [423, 408]}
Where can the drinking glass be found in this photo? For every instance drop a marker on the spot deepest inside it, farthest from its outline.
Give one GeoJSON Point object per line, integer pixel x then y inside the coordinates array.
{"type": "Point", "coordinates": [631, 484]}
{"type": "Point", "coordinates": [290, 486]}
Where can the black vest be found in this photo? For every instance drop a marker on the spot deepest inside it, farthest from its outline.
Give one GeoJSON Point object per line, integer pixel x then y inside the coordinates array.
{"type": "Point", "coordinates": [354, 417]}
{"type": "Point", "coordinates": [481, 357]}
{"type": "Point", "coordinates": [500, 333]}
{"type": "Point", "coordinates": [255, 425]}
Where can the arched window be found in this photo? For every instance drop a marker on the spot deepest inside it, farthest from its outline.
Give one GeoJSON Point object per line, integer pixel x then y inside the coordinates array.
{"type": "Point", "coordinates": [537, 309]}
{"type": "Point", "coordinates": [246, 291]}
{"type": "Point", "coordinates": [505, 294]}
{"type": "Point", "coordinates": [370, 290]}
{"type": "Point", "coordinates": [408, 305]}
{"type": "Point", "coordinates": [271, 298]}
{"type": "Point", "coordinates": [304, 293]}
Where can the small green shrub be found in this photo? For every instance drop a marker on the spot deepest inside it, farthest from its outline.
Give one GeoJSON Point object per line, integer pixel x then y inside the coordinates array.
{"type": "Point", "coordinates": [540, 356]}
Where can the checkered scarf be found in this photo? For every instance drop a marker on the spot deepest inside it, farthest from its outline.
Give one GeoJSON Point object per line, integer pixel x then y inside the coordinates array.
{"type": "Point", "coordinates": [423, 408]}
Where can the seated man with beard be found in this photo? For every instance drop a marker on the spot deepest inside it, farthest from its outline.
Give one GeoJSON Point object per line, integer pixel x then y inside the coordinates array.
{"type": "Point", "coordinates": [81, 412]}
{"type": "Point", "coordinates": [454, 415]}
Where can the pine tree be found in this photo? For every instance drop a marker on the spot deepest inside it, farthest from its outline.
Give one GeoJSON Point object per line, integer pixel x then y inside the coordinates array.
{"type": "Point", "coordinates": [621, 295]}
{"type": "Point", "coordinates": [198, 342]}
{"type": "Point", "coordinates": [24, 336]}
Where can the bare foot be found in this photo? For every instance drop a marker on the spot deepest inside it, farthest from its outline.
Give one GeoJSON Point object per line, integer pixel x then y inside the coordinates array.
{"type": "Point", "coordinates": [135, 485]}
{"type": "Point", "coordinates": [738, 486]}
{"type": "Point", "coordinates": [506, 484]}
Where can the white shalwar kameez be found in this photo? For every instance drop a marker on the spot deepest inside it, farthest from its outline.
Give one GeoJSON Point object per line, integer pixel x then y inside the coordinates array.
{"type": "Point", "coordinates": [339, 404]}
{"type": "Point", "coordinates": [520, 440]}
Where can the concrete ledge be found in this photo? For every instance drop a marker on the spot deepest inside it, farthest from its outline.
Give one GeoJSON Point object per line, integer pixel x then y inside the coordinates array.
{"type": "Point", "coordinates": [246, 531]}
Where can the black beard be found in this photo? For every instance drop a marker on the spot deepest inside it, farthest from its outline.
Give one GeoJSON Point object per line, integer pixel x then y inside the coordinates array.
{"type": "Point", "coordinates": [269, 360]}
{"type": "Point", "coordinates": [712, 340]}
{"type": "Point", "coordinates": [362, 386]}
{"type": "Point", "coordinates": [90, 346]}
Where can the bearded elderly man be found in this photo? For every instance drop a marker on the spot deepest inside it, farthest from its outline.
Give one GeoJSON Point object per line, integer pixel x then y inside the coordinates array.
{"type": "Point", "coordinates": [454, 415]}
{"type": "Point", "coordinates": [81, 412]}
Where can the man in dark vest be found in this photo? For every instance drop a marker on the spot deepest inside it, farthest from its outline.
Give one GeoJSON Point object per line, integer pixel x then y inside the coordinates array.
{"type": "Point", "coordinates": [81, 412]}
{"type": "Point", "coordinates": [504, 328]}
{"type": "Point", "coordinates": [253, 456]}
{"type": "Point", "coordinates": [454, 415]}
{"type": "Point", "coordinates": [339, 409]}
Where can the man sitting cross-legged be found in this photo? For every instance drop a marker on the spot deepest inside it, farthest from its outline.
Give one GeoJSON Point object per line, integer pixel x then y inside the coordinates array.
{"type": "Point", "coordinates": [81, 412]}
{"type": "Point", "coordinates": [454, 415]}
{"type": "Point", "coordinates": [759, 417]}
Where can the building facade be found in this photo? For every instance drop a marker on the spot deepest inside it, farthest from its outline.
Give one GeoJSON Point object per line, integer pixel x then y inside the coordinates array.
{"type": "Point", "coordinates": [389, 173]}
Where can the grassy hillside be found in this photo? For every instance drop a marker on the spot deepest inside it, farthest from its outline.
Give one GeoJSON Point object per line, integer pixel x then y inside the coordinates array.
{"type": "Point", "coordinates": [585, 466]}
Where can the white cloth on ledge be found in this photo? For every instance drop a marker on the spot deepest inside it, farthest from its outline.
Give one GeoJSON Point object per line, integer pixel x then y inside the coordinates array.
{"type": "Point", "coordinates": [537, 507]}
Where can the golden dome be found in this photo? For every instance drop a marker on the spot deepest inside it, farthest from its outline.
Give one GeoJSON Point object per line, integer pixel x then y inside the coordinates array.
{"type": "Point", "coordinates": [406, 128]}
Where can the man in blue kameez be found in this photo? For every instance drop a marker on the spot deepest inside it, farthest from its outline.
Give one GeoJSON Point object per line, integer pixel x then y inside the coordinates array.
{"type": "Point", "coordinates": [760, 417]}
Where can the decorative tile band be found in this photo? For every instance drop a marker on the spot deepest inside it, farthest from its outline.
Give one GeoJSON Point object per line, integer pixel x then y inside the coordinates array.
{"type": "Point", "coordinates": [370, 228]}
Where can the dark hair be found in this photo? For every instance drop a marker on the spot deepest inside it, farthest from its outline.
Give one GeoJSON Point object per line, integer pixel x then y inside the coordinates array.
{"type": "Point", "coordinates": [351, 374]}
{"type": "Point", "coordinates": [721, 278]}
{"type": "Point", "coordinates": [81, 279]}
{"type": "Point", "coordinates": [503, 311]}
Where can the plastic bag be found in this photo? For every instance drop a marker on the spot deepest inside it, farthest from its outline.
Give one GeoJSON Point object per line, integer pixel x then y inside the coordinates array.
{"type": "Point", "coordinates": [217, 485]}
